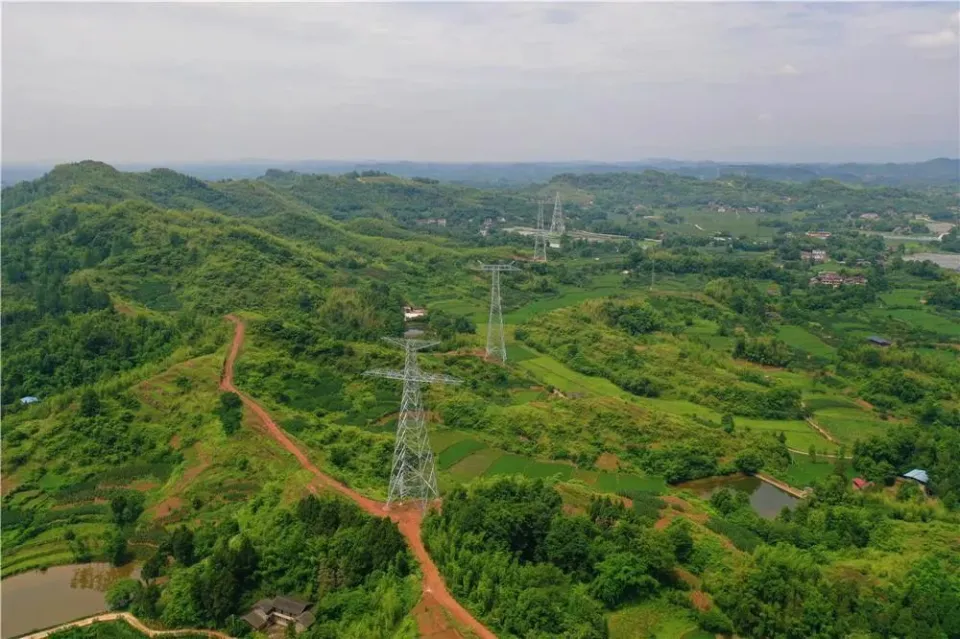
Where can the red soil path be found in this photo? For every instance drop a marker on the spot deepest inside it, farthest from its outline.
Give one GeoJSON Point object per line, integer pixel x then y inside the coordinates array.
{"type": "Point", "coordinates": [408, 520]}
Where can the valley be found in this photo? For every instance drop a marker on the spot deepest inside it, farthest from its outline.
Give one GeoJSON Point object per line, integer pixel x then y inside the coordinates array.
{"type": "Point", "coordinates": [602, 482]}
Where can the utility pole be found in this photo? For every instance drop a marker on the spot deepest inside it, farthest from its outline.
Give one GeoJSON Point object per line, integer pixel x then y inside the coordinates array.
{"type": "Point", "coordinates": [540, 238]}
{"type": "Point", "coordinates": [558, 225]}
{"type": "Point", "coordinates": [414, 475]}
{"type": "Point", "coordinates": [496, 345]}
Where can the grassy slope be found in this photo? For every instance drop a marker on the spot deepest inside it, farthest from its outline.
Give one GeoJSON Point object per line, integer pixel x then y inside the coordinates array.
{"type": "Point", "coordinates": [207, 484]}
{"type": "Point", "coordinates": [308, 251]}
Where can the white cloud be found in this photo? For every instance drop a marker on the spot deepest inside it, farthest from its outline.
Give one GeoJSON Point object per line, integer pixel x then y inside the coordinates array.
{"type": "Point", "coordinates": [466, 81]}
{"type": "Point", "coordinates": [946, 37]}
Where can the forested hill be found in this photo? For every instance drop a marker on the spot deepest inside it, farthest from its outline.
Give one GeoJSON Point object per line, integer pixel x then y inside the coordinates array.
{"type": "Point", "coordinates": [670, 191]}
{"type": "Point", "coordinates": [108, 266]}
{"type": "Point", "coordinates": [105, 271]}
{"type": "Point", "coordinates": [633, 367]}
{"type": "Point", "coordinates": [936, 172]}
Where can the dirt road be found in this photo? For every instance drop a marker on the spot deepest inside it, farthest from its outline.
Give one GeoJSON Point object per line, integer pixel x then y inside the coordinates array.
{"type": "Point", "coordinates": [130, 619]}
{"type": "Point", "coordinates": [408, 520]}
{"type": "Point", "coordinates": [820, 429]}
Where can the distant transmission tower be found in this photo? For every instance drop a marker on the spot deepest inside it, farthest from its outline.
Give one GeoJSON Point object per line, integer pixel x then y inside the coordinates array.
{"type": "Point", "coordinates": [496, 346]}
{"type": "Point", "coordinates": [540, 238]}
{"type": "Point", "coordinates": [557, 224]}
{"type": "Point", "coordinates": [413, 477]}
{"type": "Point", "coordinates": [653, 268]}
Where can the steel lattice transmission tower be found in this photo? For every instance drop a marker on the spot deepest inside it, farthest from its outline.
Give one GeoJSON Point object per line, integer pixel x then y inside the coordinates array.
{"type": "Point", "coordinates": [496, 346]}
{"type": "Point", "coordinates": [413, 476]}
{"type": "Point", "coordinates": [558, 225]}
{"type": "Point", "coordinates": [540, 238]}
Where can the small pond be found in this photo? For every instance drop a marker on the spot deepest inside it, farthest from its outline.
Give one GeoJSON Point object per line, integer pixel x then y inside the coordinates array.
{"type": "Point", "coordinates": [766, 500]}
{"type": "Point", "coordinates": [40, 599]}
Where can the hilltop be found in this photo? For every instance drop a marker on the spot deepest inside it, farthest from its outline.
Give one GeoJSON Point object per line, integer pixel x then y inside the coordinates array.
{"type": "Point", "coordinates": [935, 172]}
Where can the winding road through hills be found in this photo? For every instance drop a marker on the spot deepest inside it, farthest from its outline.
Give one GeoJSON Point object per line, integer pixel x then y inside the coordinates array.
{"type": "Point", "coordinates": [130, 619]}
{"type": "Point", "coordinates": [408, 520]}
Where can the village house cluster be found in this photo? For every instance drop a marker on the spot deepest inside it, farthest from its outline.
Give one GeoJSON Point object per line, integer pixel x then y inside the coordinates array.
{"type": "Point", "coordinates": [817, 256]}
{"type": "Point", "coordinates": [725, 208]}
{"type": "Point", "coordinates": [438, 221]}
{"type": "Point", "coordinates": [829, 278]}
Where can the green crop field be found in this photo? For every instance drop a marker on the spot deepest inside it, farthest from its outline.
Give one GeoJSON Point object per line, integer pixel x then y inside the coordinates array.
{"type": "Point", "coordinates": [804, 340]}
{"type": "Point", "coordinates": [441, 439]}
{"type": "Point", "coordinates": [850, 424]}
{"type": "Point", "coordinates": [800, 435]}
{"type": "Point", "coordinates": [624, 482]}
{"type": "Point", "coordinates": [652, 619]}
{"type": "Point", "coordinates": [568, 297]}
{"type": "Point", "coordinates": [927, 320]}
{"type": "Point", "coordinates": [519, 353]}
{"type": "Point", "coordinates": [474, 465]}
{"type": "Point", "coordinates": [902, 298]}
{"type": "Point", "coordinates": [452, 454]}
{"type": "Point", "coordinates": [709, 222]}
{"type": "Point", "coordinates": [551, 372]}
{"type": "Point", "coordinates": [510, 464]}
{"type": "Point", "coordinates": [803, 472]}
{"type": "Point", "coordinates": [678, 407]}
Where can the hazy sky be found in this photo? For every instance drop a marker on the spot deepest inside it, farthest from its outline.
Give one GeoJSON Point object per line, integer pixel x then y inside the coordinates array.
{"type": "Point", "coordinates": [480, 82]}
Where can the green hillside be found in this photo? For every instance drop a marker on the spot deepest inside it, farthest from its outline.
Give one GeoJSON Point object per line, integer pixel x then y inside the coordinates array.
{"type": "Point", "coordinates": [632, 369]}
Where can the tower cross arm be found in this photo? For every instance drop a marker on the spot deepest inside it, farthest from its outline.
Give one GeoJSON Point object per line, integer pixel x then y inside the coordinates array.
{"type": "Point", "coordinates": [497, 267]}
{"type": "Point", "coordinates": [412, 344]}
{"type": "Point", "coordinates": [423, 378]}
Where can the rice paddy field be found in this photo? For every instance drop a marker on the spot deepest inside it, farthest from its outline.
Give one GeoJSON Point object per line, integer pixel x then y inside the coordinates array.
{"type": "Point", "coordinates": [927, 321]}
{"type": "Point", "coordinates": [800, 435]}
{"type": "Point", "coordinates": [805, 472]}
{"type": "Point", "coordinates": [902, 298]}
{"type": "Point", "coordinates": [850, 424]}
{"type": "Point", "coordinates": [804, 340]}
{"type": "Point", "coordinates": [461, 458]}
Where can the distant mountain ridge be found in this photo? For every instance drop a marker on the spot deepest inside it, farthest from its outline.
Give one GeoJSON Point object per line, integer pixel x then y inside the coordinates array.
{"type": "Point", "coordinates": [935, 172]}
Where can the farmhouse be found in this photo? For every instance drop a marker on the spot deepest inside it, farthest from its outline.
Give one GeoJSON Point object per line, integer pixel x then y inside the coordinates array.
{"type": "Point", "coordinates": [879, 341]}
{"type": "Point", "coordinates": [917, 475]}
{"type": "Point", "coordinates": [829, 278]}
{"type": "Point", "coordinates": [412, 313]}
{"type": "Point", "coordinates": [29, 399]}
{"type": "Point", "coordinates": [280, 611]}
{"type": "Point", "coordinates": [438, 221]}
{"type": "Point", "coordinates": [819, 234]}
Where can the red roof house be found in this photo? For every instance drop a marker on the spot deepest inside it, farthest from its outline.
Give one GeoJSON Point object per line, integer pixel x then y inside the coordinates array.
{"type": "Point", "coordinates": [859, 483]}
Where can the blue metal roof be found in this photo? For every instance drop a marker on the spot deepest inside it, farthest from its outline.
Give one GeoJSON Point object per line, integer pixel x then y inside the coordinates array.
{"type": "Point", "coordinates": [919, 475]}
